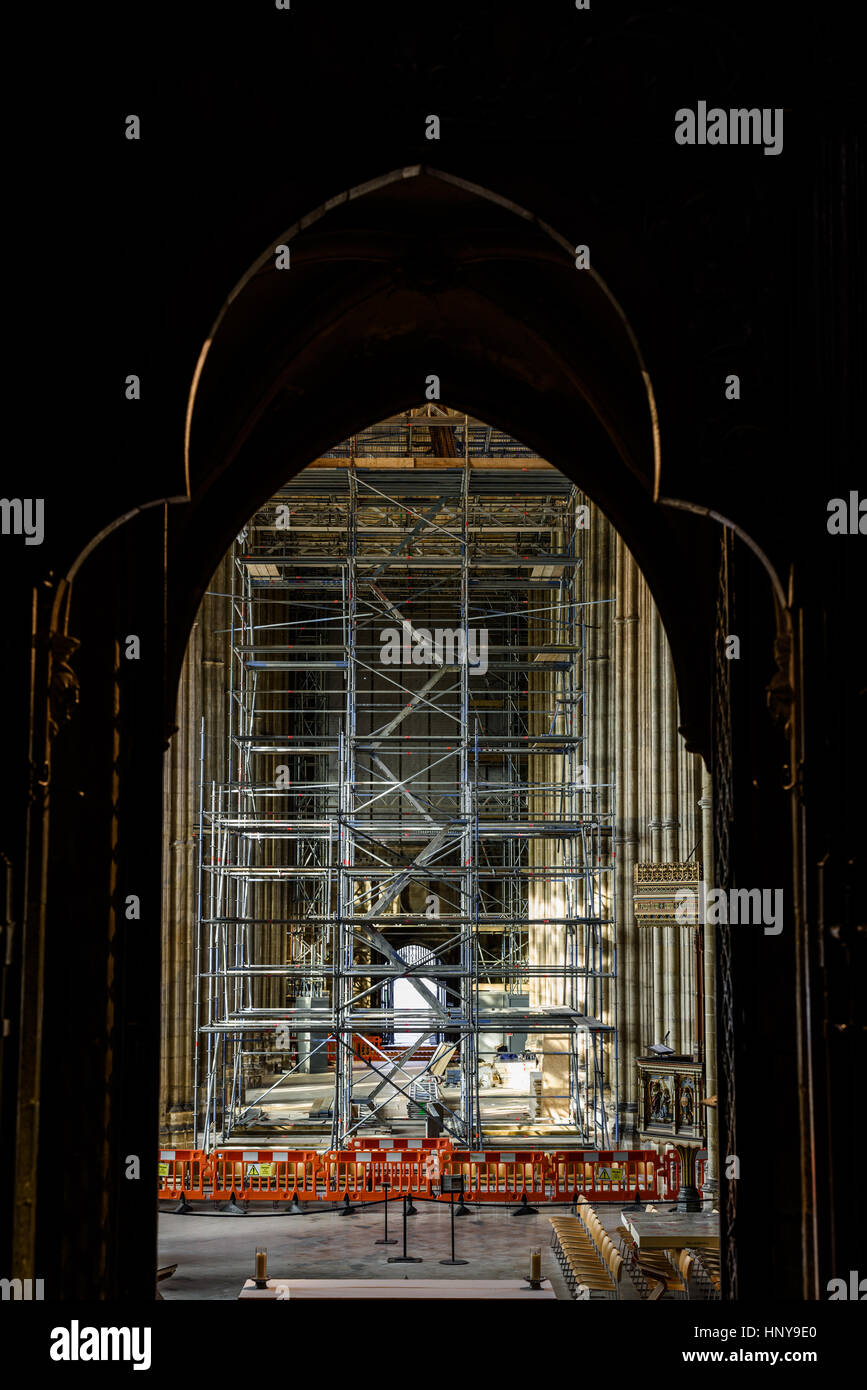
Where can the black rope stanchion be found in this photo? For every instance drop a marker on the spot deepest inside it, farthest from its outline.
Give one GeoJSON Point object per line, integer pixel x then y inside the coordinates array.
{"type": "Point", "coordinates": [524, 1209]}
{"type": "Point", "coordinates": [635, 1205]}
{"type": "Point", "coordinates": [462, 1209]}
{"type": "Point", "coordinates": [405, 1259]}
{"type": "Point", "coordinates": [452, 1183]}
{"type": "Point", "coordinates": [346, 1209]}
{"type": "Point", "coordinates": [384, 1239]}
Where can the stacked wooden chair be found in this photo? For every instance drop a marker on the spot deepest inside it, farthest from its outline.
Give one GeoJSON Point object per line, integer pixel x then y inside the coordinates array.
{"type": "Point", "coordinates": [655, 1272]}
{"type": "Point", "coordinates": [586, 1265]}
{"type": "Point", "coordinates": [588, 1257]}
{"type": "Point", "coordinates": [705, 1271]}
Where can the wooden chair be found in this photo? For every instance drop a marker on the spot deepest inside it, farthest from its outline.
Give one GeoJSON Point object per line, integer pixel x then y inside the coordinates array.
{"type": "Point", "coordinates": [652, 1271]}
{"type": "Point", "coordinates": [657, 1267]}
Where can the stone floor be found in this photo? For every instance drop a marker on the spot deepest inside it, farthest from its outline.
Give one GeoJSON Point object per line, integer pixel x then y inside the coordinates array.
{"type": "Point", "coordinates": [215, 1254]}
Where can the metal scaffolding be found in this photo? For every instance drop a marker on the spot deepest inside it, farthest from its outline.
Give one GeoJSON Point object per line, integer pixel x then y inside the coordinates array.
{"type": "Point", "coordinates": [409, 797]}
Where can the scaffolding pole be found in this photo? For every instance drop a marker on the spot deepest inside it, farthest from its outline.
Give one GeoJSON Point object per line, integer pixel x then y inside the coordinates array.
{"type": "Point", "coordinates": [408, 803]}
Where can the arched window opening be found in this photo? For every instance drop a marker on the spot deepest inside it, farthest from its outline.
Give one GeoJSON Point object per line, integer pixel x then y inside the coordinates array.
{"type": "Point", "coordinates": [408, 1000]}
{"type": "Point", "coordinates": [422, 660]}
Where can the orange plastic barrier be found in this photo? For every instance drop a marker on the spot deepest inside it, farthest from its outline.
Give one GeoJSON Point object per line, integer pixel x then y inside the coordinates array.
{"type": "Point", "coordinates": [344, 1174]}
{"type": "Point", "coordinates": [498, 1176]}
{"type": "Point", "coordinates": [181, 1173]}
{"type": "Point", "coordinates": [605, 1175]}
{"type": "Point", "coordinates": [363, 1047]}
{"type": "Point", "coordinates": [273, 1175]}
{"type": "Point", "coordinates": [414, 1167]}
{"type": "Point", "coordinates": [362, 1174]}
{"type": "Point", "coordinates": [425, 1144]}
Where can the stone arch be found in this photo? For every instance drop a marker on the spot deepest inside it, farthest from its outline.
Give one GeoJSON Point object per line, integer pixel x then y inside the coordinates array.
{"type": "Point", "coordinates": [414, 272]}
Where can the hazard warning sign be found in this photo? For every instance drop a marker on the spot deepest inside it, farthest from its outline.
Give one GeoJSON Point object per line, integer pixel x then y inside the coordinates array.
{"type": "Point", "coordinates": [604, 1174]}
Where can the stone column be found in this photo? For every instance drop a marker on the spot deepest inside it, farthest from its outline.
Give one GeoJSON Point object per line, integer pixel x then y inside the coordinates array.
{"type": "Point", "coordinates": [626, 833]}
{"type": "Point", "coordinates": [179, 886]}
{"type": "Point", "coordinates": [546, 899]}
{"type": "Point", "coordinates": [201, 692]}
{"type": "Point", "coordinates": [649, 751]}
{"type": "Point", "coordinates": [711, 1183]}
{"type": "Point", "coordinates": [600, 584]}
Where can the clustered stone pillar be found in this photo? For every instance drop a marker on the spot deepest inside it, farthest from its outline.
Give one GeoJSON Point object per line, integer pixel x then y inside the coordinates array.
{"type": "Point", "coordinates": [632, 732]}
{"type": "Point", "coordinates": [711, 1176]}
{"type": "Point", "coordinates": [201, 694]}
{"type": "Point", "coordinates": [546, 899]}
{"type": "Point", "coordinates": [626, 836]}
{"type": "Point", "coordinates": [600, 549]}
{"type": "Point", "coordinates": [658, 786]}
